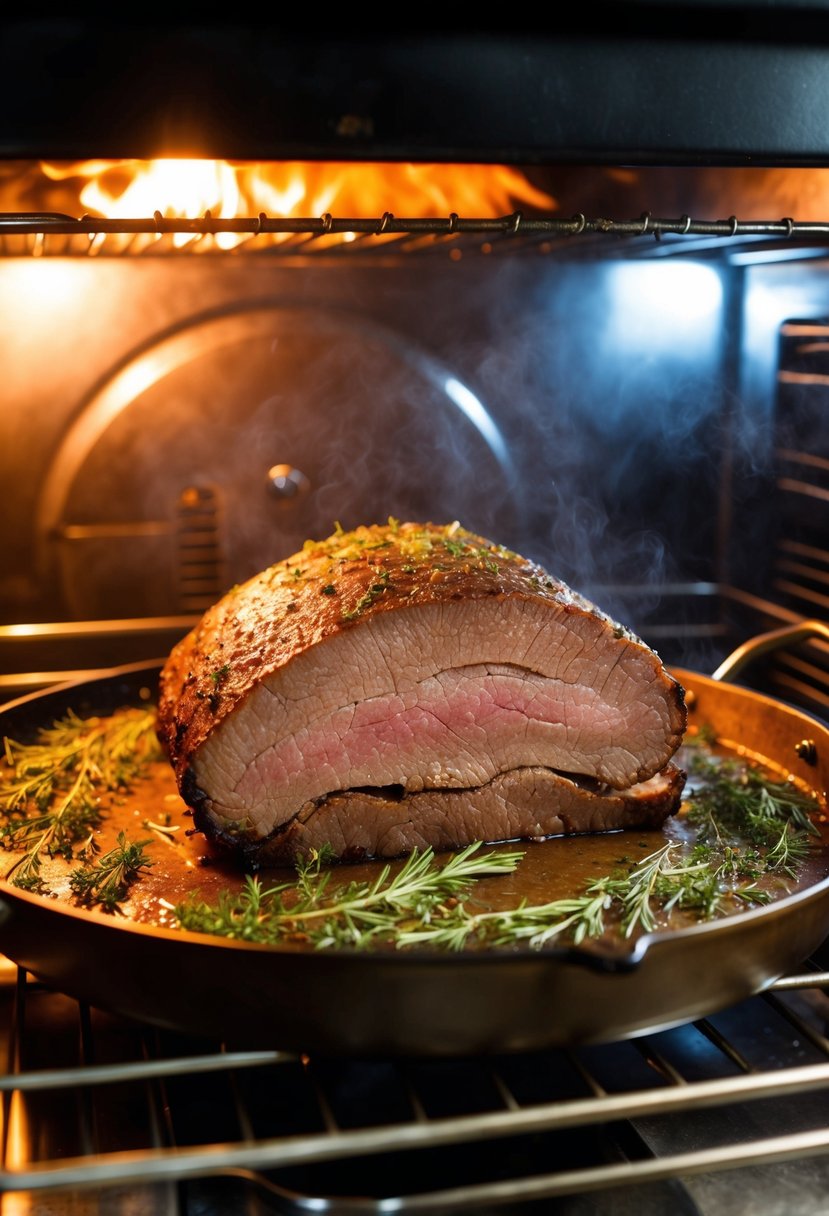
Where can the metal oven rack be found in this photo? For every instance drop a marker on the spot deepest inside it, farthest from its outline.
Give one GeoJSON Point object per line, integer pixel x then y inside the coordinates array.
{"type": "Point", "coordinates": [39, 234]}
{"type": "Point", "coordinates": [728, 1114]}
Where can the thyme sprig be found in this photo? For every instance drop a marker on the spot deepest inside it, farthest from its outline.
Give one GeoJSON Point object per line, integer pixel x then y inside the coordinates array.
{"type": "Point", "coordinates": [107, 881]}
{"type": "Point", "coordinates": [50, 789]}
{"type": "Point", "coordinates": [736, 806]}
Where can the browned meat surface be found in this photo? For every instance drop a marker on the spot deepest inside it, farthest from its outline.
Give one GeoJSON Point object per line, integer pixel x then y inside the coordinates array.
{"type": "Point", "coordinates": [414, 682]}
{"type": "Point", "coordinates": [522, 804]}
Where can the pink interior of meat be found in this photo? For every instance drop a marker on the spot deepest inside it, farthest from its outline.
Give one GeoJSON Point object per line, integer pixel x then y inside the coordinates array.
{"type": "Point", "coordinates": [453, 730]}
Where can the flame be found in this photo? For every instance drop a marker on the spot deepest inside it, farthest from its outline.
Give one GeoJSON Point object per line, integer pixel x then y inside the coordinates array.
{"type": "Point", "coordinates": [363, 190]}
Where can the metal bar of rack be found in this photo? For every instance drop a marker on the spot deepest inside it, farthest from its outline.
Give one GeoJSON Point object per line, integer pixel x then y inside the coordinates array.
{"type": "Point", "coordinates": [286, 232]}
{"type": "Point", "coordinates": [296, 1131]}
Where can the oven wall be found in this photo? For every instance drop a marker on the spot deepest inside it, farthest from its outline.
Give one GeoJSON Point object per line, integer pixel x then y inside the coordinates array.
{"type": "Point", "coordinates": [564, 407]}
{"type": "Point", "coordinates": [625, 416]}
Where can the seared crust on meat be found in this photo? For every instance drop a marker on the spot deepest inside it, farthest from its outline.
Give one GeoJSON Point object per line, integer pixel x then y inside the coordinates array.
{"type": "Point", "coordinates": [388, 620]}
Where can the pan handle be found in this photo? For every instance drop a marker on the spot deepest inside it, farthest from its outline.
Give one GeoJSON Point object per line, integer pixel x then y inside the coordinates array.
{"type": "Point", "coordinates": [765, 643]}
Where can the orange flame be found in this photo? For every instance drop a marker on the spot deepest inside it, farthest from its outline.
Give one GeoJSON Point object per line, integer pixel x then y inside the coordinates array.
{"type": "Point", "coordinates": [363, 190]}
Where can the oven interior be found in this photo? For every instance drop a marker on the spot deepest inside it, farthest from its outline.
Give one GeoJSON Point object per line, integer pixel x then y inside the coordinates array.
{"type": "Point", "coordinates": [641, 410]}
{"type": "Point", "coordinates": [617, 364]}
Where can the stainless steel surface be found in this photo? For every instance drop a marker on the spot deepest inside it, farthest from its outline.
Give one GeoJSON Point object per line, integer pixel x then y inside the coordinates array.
{"type": "Point", "coordinates": [769, 643]}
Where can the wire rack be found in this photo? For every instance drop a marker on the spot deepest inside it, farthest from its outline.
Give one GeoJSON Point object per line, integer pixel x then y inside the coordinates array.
{"type": "Point", "coordinates": [56, 234]}
{"type": "Point", "coordinates": [721, 1115]}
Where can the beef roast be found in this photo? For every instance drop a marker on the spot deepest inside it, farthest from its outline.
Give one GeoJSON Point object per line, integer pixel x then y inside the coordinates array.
{"type": "Point", "coordinates": [413, 684]}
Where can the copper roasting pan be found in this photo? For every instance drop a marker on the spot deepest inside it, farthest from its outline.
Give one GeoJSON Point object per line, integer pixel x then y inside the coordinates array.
{"type": "Point", "coordinates": [428, 1003]}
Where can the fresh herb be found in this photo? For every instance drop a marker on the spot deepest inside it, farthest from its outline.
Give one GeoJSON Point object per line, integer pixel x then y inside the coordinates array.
{"type": "Point", "coordinates": [428, 904]}
{"type": "Point", "coordinates": [315, 911]}
{"type": "Point", "coordinates": [735, 804]}
{"type": "Point", "coordinates": [368, 598]}
{"type": "Point", "coordinates": [108, 880]}
{"type": "Point", "coordinates": [660, 883]}
{"type": "Point", "coordinates": [50, 789]}
{"type": "Point", "coordinates": [486, 559]}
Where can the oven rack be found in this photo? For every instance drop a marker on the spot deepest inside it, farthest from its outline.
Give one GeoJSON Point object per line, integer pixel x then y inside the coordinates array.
{"type": "Point", "coordinates": [57, 234]}
{"type": "Point", "coordinates": [104, 1116]}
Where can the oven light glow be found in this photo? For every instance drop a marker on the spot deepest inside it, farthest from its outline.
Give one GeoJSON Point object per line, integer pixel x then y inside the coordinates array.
{"type": "Point", "coordinates": [34, 286]}
{"type": "Point", "coordinates": [661, 304]}
{"type": "Point", "coordinates": [466, 401]}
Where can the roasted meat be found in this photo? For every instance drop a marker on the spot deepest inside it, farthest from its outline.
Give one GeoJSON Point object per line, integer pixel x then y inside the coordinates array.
{"type": "Point", "coordinates": [414, 684]}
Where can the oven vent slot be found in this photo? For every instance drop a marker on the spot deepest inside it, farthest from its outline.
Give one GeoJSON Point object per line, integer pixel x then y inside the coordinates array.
{"type": "Point", "coordinates": [199, 564]}
{"type": "Point", "coordinates": [38, 234]}
{"type": "Point", "coordinates": [800, 524]}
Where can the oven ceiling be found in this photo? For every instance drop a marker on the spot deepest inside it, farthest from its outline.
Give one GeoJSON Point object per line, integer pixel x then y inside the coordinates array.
{"type": "Point", "coordinates": [633, 82]}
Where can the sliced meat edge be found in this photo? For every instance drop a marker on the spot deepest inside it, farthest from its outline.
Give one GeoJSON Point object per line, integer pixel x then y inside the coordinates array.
{"type": "Point", "coordinates": [524, 804]}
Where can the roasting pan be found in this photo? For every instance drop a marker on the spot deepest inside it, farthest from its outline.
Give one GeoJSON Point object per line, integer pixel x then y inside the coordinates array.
{"type": "Point", "coordinates": [426, 1003]}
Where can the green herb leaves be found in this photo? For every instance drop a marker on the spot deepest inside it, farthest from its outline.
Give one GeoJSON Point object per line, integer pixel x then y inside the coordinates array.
{"type": "Point", "coordinates": [734, 804]}
{"type": "Point", "coordinates": [50, 789]}
{"type": "Point", "coordinates": [108, 880]}
{"type": "Point", "coordinates": [316, 910]}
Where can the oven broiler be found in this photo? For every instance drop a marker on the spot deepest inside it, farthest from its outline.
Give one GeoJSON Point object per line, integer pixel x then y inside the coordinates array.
{"type": "Point", "coordinates": [619, 368]}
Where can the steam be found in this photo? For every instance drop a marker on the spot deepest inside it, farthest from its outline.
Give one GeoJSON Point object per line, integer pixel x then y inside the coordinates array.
{"type": "Point", "coordinates": [621, 420]}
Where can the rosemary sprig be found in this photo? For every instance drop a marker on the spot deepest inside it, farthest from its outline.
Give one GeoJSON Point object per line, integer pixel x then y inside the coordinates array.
{"type": "Point", "coordinates": [632, 899]}
{"type": "Point", "coordinates": [107, 881]}
{"type": "Point", "coordinates": [428, 904]}
{"type": "Point", "coordinates": [354, 914]}
{"type": "Point", "coordinates": [50, 789]}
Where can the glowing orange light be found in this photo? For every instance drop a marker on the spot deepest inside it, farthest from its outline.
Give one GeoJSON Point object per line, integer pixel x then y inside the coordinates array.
{"type": "Point", "coordinates": [18, 1153]}
{"type": "Point", "coordinates": [362, 190]}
